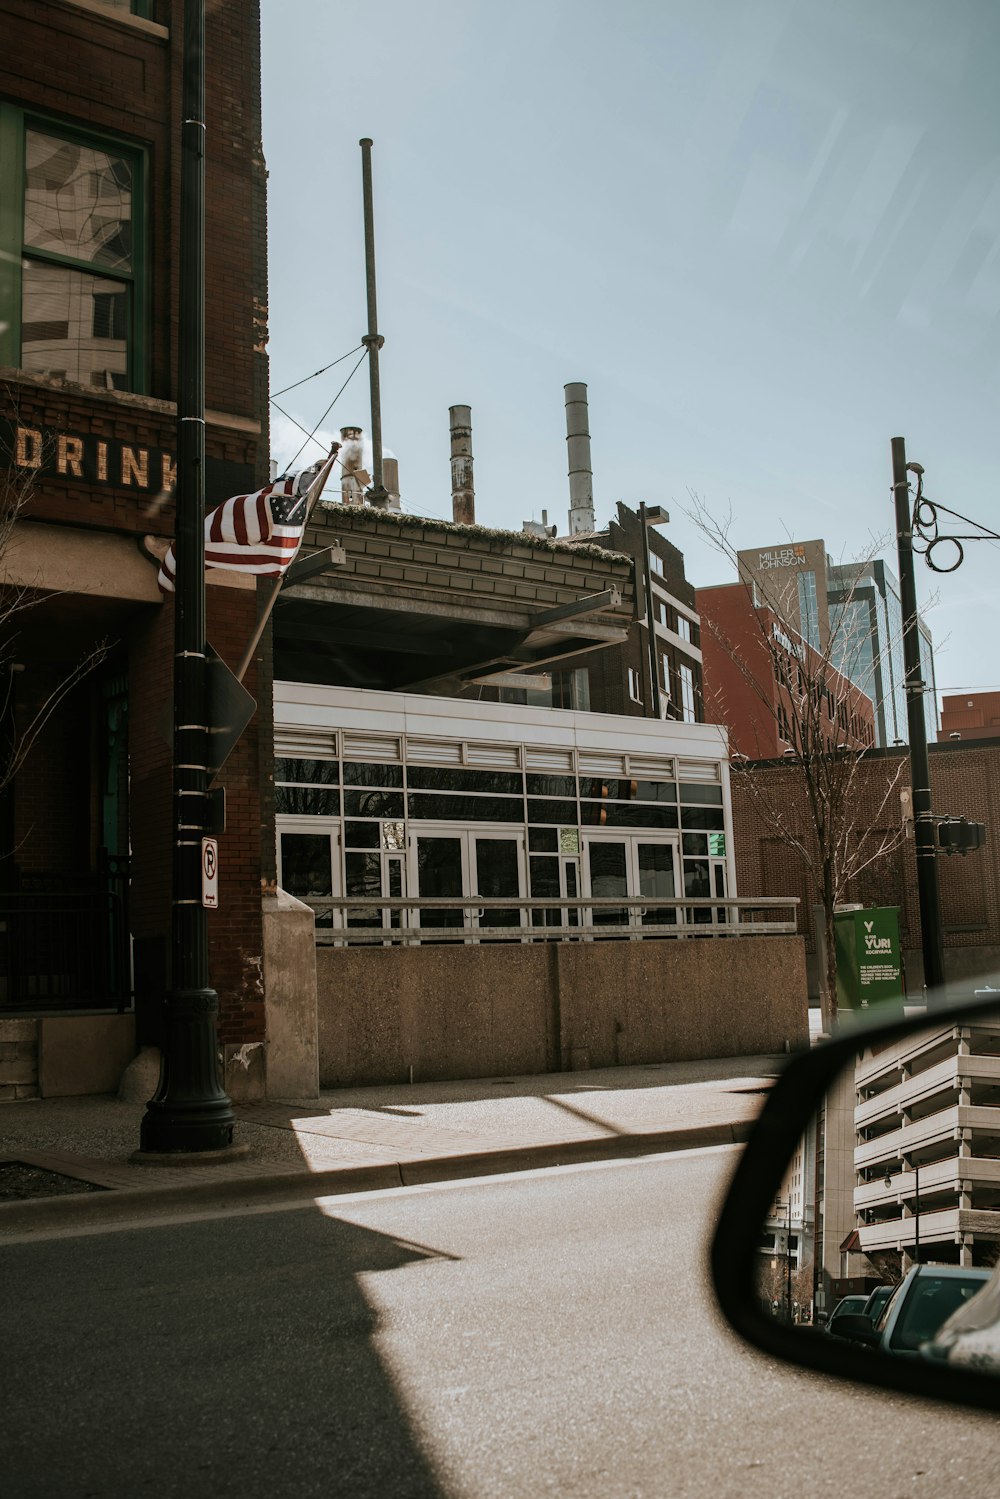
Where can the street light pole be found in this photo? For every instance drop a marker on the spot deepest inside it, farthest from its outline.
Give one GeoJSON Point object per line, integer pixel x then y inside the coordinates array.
{"type": "Point", "coordinates": [190, 1111]}
{"type": "Point", "coordinates": [932, 940]}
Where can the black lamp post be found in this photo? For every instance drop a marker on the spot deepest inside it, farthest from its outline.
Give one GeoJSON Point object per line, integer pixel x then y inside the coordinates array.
{"type": "Point", "coordinates": [190, 1110]}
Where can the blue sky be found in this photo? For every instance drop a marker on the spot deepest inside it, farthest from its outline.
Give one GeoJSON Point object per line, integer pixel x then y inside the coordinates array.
{"type": "Point", "coordinates": [765, 234]}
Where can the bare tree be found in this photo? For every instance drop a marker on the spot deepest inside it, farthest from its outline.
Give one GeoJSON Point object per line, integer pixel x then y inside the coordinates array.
{"type": "Point", "coordinates": [852, 815]}
{"type": "Point", "coordinates": [17, 600]}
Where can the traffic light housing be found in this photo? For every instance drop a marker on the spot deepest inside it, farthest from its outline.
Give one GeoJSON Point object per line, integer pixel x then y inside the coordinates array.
{"type": "Point", "coordinates": [957, 835]}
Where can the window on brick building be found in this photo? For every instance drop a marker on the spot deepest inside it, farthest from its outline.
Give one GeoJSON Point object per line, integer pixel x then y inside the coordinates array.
{"type": "Point", "coordinates": [688, 710]}
{"type": "Point", "coordinates": [71, 252]}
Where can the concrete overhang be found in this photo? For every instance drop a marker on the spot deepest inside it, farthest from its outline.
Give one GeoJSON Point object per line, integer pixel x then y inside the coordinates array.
{"type": "Point", "coordinates": [340, 629]}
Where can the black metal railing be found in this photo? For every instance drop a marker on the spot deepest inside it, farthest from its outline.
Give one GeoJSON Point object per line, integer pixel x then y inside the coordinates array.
{"type": "Point", "coordinates": [414, 920]}
{"type": "Point", "coordinates": [65, 946]}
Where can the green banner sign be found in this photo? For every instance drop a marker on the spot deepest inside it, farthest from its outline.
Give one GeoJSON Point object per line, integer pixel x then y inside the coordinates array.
{"type": "Point", "coordinates": [869, 962]}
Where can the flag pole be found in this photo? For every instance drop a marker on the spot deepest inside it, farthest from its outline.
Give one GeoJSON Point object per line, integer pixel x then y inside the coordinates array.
{"type": "Point", "coordinates": [372, 340]}
{"type": "Point", "coordinates": [312, 495]}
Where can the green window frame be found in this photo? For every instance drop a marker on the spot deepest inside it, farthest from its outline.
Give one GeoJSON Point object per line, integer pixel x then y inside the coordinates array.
{"type": "Point", "coordinates": [103, 286]}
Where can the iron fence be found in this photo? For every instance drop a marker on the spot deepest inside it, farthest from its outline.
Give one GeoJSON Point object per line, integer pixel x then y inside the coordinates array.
{"type": "Point", "coordinates": [64, 950]}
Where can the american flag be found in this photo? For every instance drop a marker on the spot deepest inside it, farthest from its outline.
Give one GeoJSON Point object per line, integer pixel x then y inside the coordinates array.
{"type": "Point", "coordinates": [253, 533]}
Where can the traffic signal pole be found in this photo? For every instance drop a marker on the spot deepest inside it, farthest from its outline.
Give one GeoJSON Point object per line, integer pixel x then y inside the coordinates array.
{"type": "Point", "coordinates": [932, 941]}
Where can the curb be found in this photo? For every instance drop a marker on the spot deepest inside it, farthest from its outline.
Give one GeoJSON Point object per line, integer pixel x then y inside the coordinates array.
{"type": "Point", "coordinates": [118, 1205]}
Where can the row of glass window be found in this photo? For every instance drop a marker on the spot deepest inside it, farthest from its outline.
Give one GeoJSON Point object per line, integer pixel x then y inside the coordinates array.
{"type": "Point", "coordinates": [305, 772]}
{"type": "Point", "coordinates": [314, 801]}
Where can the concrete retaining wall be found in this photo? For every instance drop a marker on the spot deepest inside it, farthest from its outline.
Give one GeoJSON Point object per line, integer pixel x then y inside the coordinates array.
{"type": "Point", "coordinates": [497, 1010]}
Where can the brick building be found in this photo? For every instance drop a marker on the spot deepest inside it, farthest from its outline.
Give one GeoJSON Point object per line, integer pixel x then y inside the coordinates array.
{"type": "Point", "coordinates": [965, 781]}
{"type": "Point", "coordinates": [852, 612]}
{"type": "Point", "coordinates": [90, 173]}
{"type": "Point", "coordinates": [755, 674]}
{"type": "Point", "coordinates": [970, 715]}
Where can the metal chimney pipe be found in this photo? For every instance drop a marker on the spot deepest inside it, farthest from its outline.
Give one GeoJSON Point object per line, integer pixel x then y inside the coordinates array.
{"type": "Point", "coordinates": [581, 476]}
{"type": "Point", "coordinates": [463, 494]}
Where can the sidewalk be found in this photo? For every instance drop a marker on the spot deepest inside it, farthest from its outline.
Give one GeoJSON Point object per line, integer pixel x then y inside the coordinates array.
{"type": "Point", "coordinates": [362, 1139]}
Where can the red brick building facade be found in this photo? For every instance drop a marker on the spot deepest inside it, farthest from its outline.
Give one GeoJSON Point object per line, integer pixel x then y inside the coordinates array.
{"type": "Point", "coordinates": [753, 669]}
{"type": "Point", "coordinates": [970, 715]}
{"type": "Point", "coordinates": [90, 174]}
{"type": "Point", "coordinates": [965, 782]}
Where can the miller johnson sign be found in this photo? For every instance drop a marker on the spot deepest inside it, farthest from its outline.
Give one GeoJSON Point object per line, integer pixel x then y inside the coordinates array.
{"type": "Point", "coordinates": [790, 556]}
{"type": "Point", "coordinates": [93, 459]}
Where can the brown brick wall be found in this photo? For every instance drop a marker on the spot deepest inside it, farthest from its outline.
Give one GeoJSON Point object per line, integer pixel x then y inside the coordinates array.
{"type": "Point", "coordinates": [112, 73]}
{"type": "Point", "coordinates": [965, 781]}
{"type": "Point", "coordinates": [465, 564]}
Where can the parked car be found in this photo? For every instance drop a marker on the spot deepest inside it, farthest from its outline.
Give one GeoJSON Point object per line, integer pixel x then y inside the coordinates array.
{"type": "Point", "coordinates": [970, 1338]}
{"type": "Point", "coordinates": [846, 1307]}
{"type": "Point", "coordinates": [917, 1309]}
{"type": "Point", "coordinates": [876, 1301]}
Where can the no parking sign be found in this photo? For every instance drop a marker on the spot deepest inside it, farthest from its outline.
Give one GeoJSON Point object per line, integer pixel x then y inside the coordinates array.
{"type": "Point", "coordinates": [210, 873]}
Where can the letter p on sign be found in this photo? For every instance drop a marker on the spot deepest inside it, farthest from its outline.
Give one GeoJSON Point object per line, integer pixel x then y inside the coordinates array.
{"type": "Point", "coordinates": [210, 873]}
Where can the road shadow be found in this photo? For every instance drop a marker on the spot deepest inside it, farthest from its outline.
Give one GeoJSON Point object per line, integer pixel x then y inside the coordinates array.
{"type": "Point", "coordinates": [228, 1357]}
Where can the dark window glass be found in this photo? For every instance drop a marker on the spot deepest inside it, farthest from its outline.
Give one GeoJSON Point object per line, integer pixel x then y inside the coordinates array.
{"type": "Point", "coordinates": [709, 819]}
{"type": "Point", "coordinates": [437, 778]}
{"type": "Point", "coordinates": [696, 877]}
{"type": "Point", "coordinates": [695, 843]}
{"type": "Point", "coordinates": [552, 811]}
{"type": "Point", "coordinates": [305, 865]}
{"type": "Point", "coordinates": [311, 772]}
{"type": "Point", "coordinates": [551, 785]}
{"type": "Point", "coordinates": [373, 803]}
{"type": "Point", "coordinates": [439, 873]}
{"type": "Point", "coordinates": [544, 877]}
{"type": "Point", "coordinates": [656, 878]}
{"type": "Point", "coordinates": [110, 315]}
{"type": "Point", "coordinates": [545, 881]}
{"type": "Point", "coordinates": [429, 807]}
{"type": "Point", "coordinates": [623, 790]}
{"type": "Point", "coordinates": [709, 796]}
{"type": "Point", "coordinates": [696, 882]}
{"type": "Point", "coordinates": [362, 834]}
{"type": "Point", "coordinates": [654, 791]}
{"type": "Point", "coordinates": [498, 876]}
{"type": "Point", "coordinates": [543, 840]}
{"type": "Point", "coordinates": [622, 815]}
{"type": "Point", "coordinates": [363, 876]}
{"type": "Point", "coordinates": [361, 773]}
{"type": "Point", "coordinates": [607, 877]}
{"type": "Point", "coordinates": [306, 801]}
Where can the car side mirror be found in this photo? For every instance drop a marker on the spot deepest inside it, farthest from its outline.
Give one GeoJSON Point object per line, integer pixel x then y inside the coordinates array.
{"type": "Point", "coordinates": [875, 1163]}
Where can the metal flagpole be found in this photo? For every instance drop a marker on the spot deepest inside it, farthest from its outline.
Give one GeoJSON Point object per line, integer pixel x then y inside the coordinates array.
{"type": "Point", "coordinates": [372, 340]}
{"type": "Point", "coordinates": [190, 1110]}
{"type": "Point", "coordinates": [312, 495]}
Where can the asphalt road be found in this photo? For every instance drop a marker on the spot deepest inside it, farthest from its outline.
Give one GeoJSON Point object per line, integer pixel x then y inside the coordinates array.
{"type": "Point", "coordinates": [544, 1333]}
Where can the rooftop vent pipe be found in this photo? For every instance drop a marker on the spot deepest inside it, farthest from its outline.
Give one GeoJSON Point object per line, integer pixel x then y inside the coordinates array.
{"type": "Point", "coordinates": [581, 476]}
{"type": "Point", "coordinates": [463, 494]}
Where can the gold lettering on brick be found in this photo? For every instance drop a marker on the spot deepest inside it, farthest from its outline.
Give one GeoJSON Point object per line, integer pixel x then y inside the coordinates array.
{"type": "Point", "coordinates": [28, 448]}
{"type": "Point", "coordinates": [69, 455]}
{"type": "Point", "coordinates": [102, 461]}
{"type": "Point", "coordinates": [168, 471]}
{"type": "Point", "coordinates": [135, 467]}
